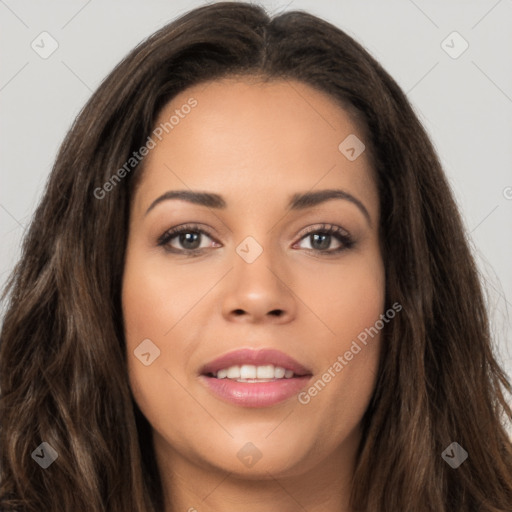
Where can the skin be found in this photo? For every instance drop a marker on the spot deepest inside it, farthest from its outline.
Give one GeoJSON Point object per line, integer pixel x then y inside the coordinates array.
{"type": "Point", "coordinates": [255, 144]}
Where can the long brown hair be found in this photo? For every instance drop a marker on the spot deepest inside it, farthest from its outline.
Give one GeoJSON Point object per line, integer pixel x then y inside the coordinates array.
{"type": "Point", "coordinates": [63, 376]}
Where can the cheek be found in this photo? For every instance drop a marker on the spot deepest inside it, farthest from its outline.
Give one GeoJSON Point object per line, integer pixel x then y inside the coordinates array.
{"type": "Point", "coordinates": [350, 303]}
{"type": "Point", "coordinates": [158, 301]}
{"type": "Point", "coordinates": [347, 298]}
{"type": "Point", "coordinates": [157, 295]}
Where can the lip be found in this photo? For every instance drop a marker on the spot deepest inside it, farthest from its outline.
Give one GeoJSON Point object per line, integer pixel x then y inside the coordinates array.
{"type": "Point", "coordinates": [255, 394]}
{"type": "Point", "coordinates": [257, 358]}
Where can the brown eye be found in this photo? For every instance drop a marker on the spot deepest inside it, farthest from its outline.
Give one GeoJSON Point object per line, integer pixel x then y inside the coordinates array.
{"type": "Point", "coordinates": [321, 239]}
{"type": "Point", "coordinates": [184, 239]}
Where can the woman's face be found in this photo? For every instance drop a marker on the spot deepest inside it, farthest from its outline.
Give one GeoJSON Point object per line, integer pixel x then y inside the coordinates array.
{"type": "Point", "coordinates": [265, 292]}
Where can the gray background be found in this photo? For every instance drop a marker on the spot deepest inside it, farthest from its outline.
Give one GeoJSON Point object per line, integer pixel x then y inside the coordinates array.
{"type": "Point", "coordinates": [465, 103]}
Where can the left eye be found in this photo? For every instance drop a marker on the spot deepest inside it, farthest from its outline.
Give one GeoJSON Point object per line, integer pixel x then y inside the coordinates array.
{"type": "Point", "coordinates": [321, 238]}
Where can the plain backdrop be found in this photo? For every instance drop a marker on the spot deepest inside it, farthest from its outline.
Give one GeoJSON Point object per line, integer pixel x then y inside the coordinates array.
{"type": "Point", "coordinates": [460, 85]}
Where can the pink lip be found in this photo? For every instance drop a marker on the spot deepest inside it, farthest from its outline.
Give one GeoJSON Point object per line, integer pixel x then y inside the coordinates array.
{"type": "Point", "coordinates": [257, 358]}
{"type": "Point", "coordinates": [255, 394]}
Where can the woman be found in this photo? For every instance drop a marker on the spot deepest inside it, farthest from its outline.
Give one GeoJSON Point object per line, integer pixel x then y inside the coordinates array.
{"type": "Point", "coordinates": [325, 346]}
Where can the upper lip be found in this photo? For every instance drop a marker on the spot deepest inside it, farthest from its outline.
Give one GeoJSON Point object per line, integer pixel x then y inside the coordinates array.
{"type": "Point", "coordinates": [256, 358]}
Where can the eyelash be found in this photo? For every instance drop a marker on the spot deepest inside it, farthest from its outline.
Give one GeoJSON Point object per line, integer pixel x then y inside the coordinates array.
{"type": "Point", "coordinates": [325, 229]}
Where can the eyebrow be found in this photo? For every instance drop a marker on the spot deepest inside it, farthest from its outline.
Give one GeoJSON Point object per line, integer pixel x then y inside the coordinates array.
{"type": "Point", "coordinates": [298, 201]}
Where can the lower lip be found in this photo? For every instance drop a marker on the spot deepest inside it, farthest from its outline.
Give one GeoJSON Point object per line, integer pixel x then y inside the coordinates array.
{"type": "Point", "coordinates": [255, 394]}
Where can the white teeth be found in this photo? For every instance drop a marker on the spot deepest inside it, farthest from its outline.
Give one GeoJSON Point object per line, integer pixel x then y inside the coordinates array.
{"type": "Point", "coordinates": [265, 372]}
{"type": "Point", "coordinates": [222, 374]}
{"type": "Point", "coordinates": [279, 372]}
{"type": "Point", "coordinates": [233, 372]}
{"type": "Point", "coordinates": [251, 372]}
{"type": "Point", "coordinates": [247, 371]}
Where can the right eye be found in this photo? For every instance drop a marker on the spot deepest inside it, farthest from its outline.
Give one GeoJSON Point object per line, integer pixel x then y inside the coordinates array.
{"type": "Point", "coordinates": [188, 236]}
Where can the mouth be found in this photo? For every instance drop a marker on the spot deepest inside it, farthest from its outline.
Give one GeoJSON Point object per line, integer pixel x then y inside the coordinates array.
{"type": "Point", "coordinates": [254, 378]}
{"type": "Point", "coordinates": [252, 373]}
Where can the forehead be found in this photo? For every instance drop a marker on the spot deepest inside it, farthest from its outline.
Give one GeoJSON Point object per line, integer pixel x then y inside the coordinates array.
{"type": "Point", "coordinates": [257, 142]}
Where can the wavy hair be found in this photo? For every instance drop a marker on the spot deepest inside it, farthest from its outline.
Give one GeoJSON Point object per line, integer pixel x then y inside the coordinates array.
{"type": "Point", "coordinates": [63, 375]}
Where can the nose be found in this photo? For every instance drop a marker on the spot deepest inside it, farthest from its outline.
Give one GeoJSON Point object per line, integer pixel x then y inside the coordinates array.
{"type": "Point", "coordinates": [259, 292]}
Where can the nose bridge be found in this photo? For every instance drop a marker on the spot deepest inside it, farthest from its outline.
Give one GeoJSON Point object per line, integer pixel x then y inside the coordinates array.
{"type": "Point", "coordinates": [258, 287]}
{"type": "Point", "coordinates": [255, 264]}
